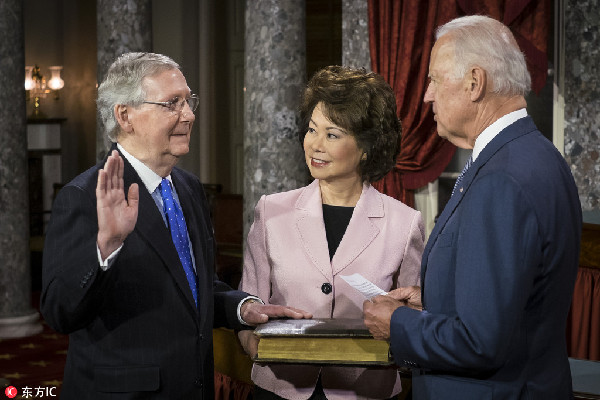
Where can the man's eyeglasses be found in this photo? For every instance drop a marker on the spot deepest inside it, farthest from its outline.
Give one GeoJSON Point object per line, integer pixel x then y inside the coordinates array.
{"type": "Point", "coordinates": [176, 105]}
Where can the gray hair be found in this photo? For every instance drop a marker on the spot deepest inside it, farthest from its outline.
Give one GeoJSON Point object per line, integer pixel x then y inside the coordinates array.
{"type": "Point", "coordinates": [489, 44]}
{"type": "Point", "coordinates": [123, 85]}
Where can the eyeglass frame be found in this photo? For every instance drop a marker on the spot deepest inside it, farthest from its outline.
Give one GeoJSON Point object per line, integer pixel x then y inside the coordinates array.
{"type": "Point", "coordinates": [170, 103]}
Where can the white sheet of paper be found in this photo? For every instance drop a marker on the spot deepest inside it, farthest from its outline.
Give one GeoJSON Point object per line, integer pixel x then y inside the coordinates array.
{"type": "Point", "coordinates": [363, 285]}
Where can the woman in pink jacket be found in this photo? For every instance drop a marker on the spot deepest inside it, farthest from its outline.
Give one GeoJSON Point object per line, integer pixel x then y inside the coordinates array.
{"type": "Point", "coordinates": [304, 240]}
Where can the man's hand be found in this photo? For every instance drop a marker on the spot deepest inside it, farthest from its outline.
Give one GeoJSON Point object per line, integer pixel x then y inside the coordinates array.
{"type": "Point", "coordinates": [254, 313]}
{"type": "Point", "coordinates": [116, 215]}
{"type": "Point", "coordinates": [249, 342]}
{"type": "Point", "coordinates": [409, 295]}
{"type": "Point", "coordinates": [377, 313]}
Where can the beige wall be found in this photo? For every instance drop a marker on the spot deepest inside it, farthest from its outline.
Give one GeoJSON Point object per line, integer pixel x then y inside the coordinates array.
{"type": "Point", "coordinates": [206, 38]}
{"type": "Point", "coordinates": [63, 32]}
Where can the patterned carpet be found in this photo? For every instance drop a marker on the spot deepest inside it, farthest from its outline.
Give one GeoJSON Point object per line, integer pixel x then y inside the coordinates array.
{"type": "Point", "coordinates": [33, 365]}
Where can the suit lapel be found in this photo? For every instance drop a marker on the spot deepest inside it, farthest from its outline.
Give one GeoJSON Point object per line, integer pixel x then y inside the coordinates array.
{"type": "Point", "coordinates": [361, 230]}
{"type": "Point", "coordinates": [151, 227]}
{"type": "Point", "coordinates": [311, 228]}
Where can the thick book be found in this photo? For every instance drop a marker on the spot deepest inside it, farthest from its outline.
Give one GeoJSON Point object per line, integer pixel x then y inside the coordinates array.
{"type": "Point", "coordinates": [320, 341]}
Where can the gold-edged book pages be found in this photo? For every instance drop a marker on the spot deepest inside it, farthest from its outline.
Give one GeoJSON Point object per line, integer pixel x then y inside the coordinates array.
{"type": "Point", "coordinates": [320, 341]}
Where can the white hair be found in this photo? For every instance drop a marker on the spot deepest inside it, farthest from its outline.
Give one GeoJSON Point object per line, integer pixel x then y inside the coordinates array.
{"type": "Point", "coordinates": [487, 43]}
{"type": "Point", "coordinates": [123, 85]}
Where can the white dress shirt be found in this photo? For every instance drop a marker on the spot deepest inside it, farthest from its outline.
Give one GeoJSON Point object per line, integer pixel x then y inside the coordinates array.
{"type": "Point", "coordinates": [494, 129]}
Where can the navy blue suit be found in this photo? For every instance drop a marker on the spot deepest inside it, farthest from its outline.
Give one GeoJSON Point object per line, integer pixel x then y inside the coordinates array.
{"type": "Point", "coordinates": [497, 278]}
{"type": "Point", "coordinates": [134, 330]}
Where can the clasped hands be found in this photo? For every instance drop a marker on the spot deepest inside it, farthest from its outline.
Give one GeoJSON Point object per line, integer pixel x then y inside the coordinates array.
{"type": "Point", "coordinates": [378, 311]}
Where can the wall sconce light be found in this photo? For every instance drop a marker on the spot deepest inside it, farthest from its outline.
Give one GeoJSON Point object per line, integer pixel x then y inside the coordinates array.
{"type": "Point", "coordinates": [37, 87]}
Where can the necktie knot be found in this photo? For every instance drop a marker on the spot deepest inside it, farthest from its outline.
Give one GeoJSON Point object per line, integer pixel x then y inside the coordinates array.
{"type": "Point", "coordinates": [165, 188]}
{"type": "Point", "coordinates": [166, 193]}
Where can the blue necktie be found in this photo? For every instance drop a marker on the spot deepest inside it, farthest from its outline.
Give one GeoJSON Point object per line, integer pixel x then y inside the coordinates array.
{"type": "Point", "coordinates": [462, 173]}
{"type": "Point", "coordinates": [178, 228]}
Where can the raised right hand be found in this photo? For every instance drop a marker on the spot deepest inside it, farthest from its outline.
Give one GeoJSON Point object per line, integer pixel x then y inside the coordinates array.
{"type": "Point", "coordinates": [116, 215]}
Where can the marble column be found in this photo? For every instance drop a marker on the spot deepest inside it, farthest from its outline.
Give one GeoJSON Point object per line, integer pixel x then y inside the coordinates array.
{"type": "Point", "coordinates": [582, 98]}
{"type": "Point", "coordinates": [275, 70]}
{"type": "Point", "coordinates": [355, 34]}
{"type": "Point", "coordinates": [17, 317]}
{"type": "Point", "coordinates": [122, 27]}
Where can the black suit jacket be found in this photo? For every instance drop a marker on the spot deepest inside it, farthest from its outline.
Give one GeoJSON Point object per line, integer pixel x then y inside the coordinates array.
{"type": "Point", "coordinates": [134, 329]}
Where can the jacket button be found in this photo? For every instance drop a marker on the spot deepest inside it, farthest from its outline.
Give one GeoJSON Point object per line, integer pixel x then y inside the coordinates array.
{"type": "Point", "coordinates": [326, 288]}
{"type": "Point", "coordinates": [198, 383]}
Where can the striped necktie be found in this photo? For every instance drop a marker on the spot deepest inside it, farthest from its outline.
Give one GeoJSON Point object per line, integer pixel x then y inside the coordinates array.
{"type": "Point", "coordinates": [462, 173]}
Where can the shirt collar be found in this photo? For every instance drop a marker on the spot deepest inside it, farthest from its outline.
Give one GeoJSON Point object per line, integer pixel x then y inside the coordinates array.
{"type": "Point", "coordinates": [150, 178]}
{"type": "Point", "coordinates": [494, 129]}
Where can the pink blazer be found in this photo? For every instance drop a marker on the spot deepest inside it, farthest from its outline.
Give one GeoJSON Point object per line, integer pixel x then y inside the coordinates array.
{"type": "Point", "coordinates": [286, 261]}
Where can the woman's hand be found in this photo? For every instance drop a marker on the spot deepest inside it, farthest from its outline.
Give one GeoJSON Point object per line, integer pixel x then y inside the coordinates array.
{"type": "Point", "coordinates": [249, 342]}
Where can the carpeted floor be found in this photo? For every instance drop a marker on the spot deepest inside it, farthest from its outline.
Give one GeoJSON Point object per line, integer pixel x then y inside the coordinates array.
{"type": "Point", "coordinates": [33, 365]}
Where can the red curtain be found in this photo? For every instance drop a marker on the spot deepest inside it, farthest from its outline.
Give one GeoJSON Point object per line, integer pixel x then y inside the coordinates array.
{"type": "Point", "coordinates": [400, 41]}
{"type": "Point", "coordinates": [583, 329]}
{"type": "Point", "coordinates": [584, 319]}
{"type": "Point", "coordinates": [529, 21]}
{"type": "Point", "coordinates": [227, 388]}
{"type": "Point", "coordinates": [401, 35]}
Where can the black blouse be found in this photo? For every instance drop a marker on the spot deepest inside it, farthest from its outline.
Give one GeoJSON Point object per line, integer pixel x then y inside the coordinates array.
{"type": "Point", "coordinates": [336, 220]}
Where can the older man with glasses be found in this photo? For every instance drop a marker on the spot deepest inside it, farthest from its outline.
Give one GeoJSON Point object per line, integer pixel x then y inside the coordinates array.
{"type": "Point", "coordinates": [128, 261]}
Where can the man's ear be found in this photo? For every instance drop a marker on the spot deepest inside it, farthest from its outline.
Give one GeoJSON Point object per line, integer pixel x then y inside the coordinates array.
{"type": "Point", "coordinates": [477, 83]}
{"type": "Point", "coordinates": [122, 116]}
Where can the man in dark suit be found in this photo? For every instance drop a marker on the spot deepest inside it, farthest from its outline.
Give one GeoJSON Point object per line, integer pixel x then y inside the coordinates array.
{"type": "Point", "coordinates": [132, 283]}
{"type": "Point", "coordinates": [499, 267]}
